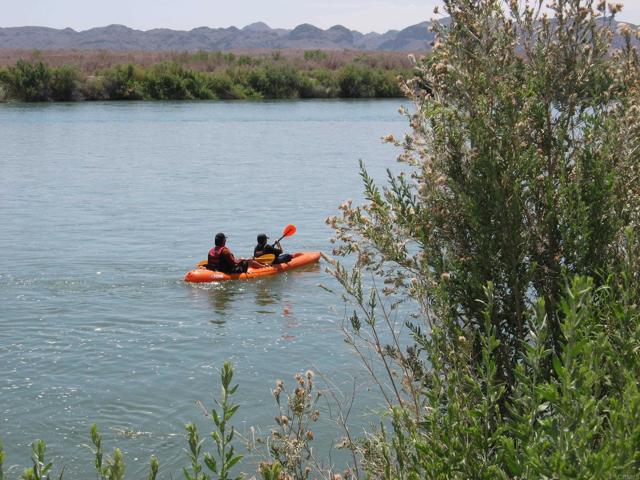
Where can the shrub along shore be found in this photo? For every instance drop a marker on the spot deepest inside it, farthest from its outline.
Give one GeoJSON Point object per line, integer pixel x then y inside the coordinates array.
{"type": "Point", "coordinates": [38, 77]}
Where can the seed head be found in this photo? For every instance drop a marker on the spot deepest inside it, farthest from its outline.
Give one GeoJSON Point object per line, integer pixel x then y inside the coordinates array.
{"type": "Point", "coordinates": [282, 420]}
{"type": "Point", "coordinates": [615, 8]}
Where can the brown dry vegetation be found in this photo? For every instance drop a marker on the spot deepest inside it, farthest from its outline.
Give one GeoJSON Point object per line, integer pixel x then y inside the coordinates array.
{"type": "Point", "coordinates": [91, 61]}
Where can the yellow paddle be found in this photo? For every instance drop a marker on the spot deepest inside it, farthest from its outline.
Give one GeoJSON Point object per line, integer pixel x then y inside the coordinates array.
{"type": "Point", "coordinates": [267, 258]}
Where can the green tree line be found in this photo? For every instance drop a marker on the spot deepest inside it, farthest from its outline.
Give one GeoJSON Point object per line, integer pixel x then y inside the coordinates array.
{"type": "Point", "coordinates": [34, 81]}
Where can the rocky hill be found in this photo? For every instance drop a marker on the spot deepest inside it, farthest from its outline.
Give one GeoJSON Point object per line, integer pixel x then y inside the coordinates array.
{"type": "Point", "coordinates": [255, 36]}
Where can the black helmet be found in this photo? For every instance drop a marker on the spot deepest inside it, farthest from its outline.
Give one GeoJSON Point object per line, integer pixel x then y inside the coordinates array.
{"type": "Point", "coordinates": [220, 239]}
{"type": "Point", "coordinates": [262, 238]}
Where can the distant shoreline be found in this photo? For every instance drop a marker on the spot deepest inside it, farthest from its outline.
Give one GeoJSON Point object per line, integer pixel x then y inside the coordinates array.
{"type": "Point", "coordinates": [71, 75]}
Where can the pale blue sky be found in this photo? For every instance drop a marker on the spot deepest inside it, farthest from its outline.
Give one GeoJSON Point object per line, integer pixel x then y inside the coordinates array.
{"type": "Point", "coordinates": [362, 15]}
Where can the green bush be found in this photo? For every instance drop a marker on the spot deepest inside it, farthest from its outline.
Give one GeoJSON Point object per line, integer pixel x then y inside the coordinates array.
{"type": "Point", "coordinates": [165, 82]}
{"type": "Point", "coordinates": [388, 84]}
{"type": "Point", "coordinates": [246, 60]}
{"type": "Point", "coordinates": [197, 85]}
{"type": "Point", "coordinates": [357, 81]}
{"type": "Point", "coordinates": [27, 81]}
{"type": "Point", "coordinates": [325, 83]}
{"type": "Point", "coordinates": [310, 87]}
{"type": "Point", "coordinates": [275, 81]}
{"type": "Point", "coordinates": [315, 55]}
{"type": "Point", "coordinates": [513, 234]}
{"type": "Point", "coordinates": [3, 90]}
{"type": "Point", "coordinates": [124, 82]}
{"type": "Point", "coordinates": [169, 81]}
{"type": "Point", "coordinates": [64, 84]}
{"type": "Point", "coordinates": [94, 88]}
{"type": "Point", "coordinates": [223, 87]}
{"type": "Point", "coordinates": [240, 78]}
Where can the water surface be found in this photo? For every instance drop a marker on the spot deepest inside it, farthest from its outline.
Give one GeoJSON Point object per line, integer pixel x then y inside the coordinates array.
{"type": "Point", "coordinates": [104, 206]}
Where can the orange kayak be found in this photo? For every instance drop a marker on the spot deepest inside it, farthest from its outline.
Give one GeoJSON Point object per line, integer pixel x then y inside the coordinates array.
{"type": "Point", "coordinates": [202, 275]}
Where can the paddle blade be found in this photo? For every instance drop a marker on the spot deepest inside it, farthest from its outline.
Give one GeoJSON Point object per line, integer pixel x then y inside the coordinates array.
{"type": "Point", "coordinates": [288, 230]}
{"type": "Point", "coordinates": [268, 258]}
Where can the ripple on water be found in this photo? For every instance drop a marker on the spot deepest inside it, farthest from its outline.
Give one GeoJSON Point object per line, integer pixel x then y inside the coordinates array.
{"type": "Point", "coordinates": [104, 208]}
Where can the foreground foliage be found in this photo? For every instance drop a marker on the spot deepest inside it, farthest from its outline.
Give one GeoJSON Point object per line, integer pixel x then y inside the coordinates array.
{"type": "Point", "coordinates": [514, 232]}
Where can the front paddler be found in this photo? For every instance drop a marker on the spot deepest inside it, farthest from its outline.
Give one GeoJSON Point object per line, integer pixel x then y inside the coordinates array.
{"type": "Point", "coordinates": [222, 260]}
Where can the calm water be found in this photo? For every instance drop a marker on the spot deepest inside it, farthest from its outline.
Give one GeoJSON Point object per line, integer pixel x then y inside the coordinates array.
{"type": "Point", "coordinates": [103, 207]}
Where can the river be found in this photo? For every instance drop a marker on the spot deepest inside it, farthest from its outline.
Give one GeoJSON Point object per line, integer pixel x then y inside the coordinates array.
{"type": "Point", "coordinates": [105, 206]}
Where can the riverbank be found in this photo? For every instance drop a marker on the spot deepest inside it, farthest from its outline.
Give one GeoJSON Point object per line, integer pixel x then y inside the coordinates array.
{"type": "Point", "coordinates": [79, 76]}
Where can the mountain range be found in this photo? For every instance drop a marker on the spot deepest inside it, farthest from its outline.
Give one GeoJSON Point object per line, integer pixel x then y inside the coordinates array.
{"type": "Point", "coordinates": [255, 36]}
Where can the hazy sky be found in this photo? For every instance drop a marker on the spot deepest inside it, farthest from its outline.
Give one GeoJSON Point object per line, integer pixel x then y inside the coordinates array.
{"type": "Point", "coordinates": [362, 15]}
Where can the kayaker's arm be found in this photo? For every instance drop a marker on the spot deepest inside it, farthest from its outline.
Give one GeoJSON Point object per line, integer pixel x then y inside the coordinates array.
{"type": "Point", "coordinates": [275, 249]}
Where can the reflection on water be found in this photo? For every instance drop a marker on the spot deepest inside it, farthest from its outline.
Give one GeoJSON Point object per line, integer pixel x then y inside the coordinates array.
{"type": "Point", "coordinates": [268, 291]}
{"type": "Point", "coordinates": [290, 322]}
{"type": "Point", "coordinates": [221, 295]}
{"type": "Point", "coordinates": [227, 298]}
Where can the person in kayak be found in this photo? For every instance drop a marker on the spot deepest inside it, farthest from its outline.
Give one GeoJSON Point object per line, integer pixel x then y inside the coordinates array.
{"type": "Point", "coordinates": [221, 259]}
{"type": "Point", "coordinates": [264, 248]}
